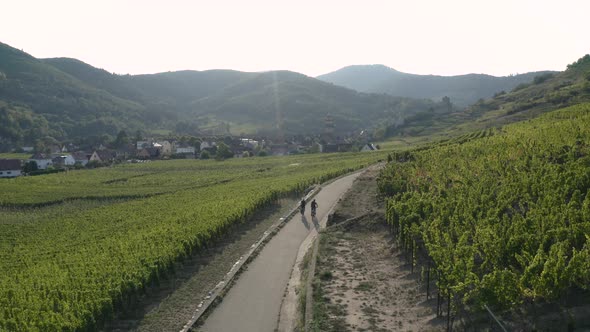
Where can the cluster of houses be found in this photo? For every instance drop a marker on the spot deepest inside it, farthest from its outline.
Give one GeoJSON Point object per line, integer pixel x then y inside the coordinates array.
{"type": "Point", "coordinates": [61, 158]}
{"type": "Point", "coordinates": [142, 150]}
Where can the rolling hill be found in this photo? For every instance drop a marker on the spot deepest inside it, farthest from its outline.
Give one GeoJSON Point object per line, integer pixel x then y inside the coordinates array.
{"type": "Point", "coordinates": [67, 99]}
{"type": "Point", "coordinates": [463, 89]}
{"type": "Point", "coordinates": [545, 93]}
{"type": "Point", "coordinates": [300, 104]}
{"type": "Point", "coordinates": [37, 99]}
{"type": "Point", "coordinates": [248, 102]}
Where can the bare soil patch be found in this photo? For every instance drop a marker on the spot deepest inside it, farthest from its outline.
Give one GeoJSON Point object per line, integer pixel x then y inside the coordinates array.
{"type": "Point", "coordinates": [362, 282]}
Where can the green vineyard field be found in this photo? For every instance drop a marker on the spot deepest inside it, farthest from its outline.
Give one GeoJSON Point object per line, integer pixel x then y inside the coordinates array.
{"type": "Point", "coordinates": [75, 247]}
{"type": "Point", "coordinates": [503, 216]}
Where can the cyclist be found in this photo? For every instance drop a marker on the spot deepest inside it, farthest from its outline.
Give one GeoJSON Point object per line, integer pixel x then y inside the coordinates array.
{"type": "Point", "coordinates": [314, 206]}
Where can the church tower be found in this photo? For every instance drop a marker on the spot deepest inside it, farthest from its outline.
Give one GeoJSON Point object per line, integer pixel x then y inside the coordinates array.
{"type": "Point", "coordinates": [329, 128]}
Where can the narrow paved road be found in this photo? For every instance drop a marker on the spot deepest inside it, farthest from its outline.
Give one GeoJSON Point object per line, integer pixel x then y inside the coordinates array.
{"type": "Point", "coordinates": [254, 302]}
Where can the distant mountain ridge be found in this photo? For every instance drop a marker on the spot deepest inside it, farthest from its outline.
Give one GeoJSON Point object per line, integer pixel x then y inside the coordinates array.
{"type": "Point", "coordinates": [463, 90]}
{"type": "Point", "coordinates": [67, 99]}
{"type": "Point", "coordinates": [545, 93]}
{"type": "Point", "coordinates": [249, 102]}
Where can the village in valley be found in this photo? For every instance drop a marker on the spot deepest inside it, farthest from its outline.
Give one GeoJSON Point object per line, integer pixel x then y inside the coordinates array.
{"type": "Point", "coordinates": [54, 158]}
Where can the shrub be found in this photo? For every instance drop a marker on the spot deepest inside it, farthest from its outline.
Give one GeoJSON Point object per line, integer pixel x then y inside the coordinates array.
{"type": "Point", "coordinates": [326, 275]}
{"type": "Point", "coordinates": [498, 94]}
{"type": "Point", "coordinates": [520, 87]}
{"type": "Point", "coordinates": [542, 78]}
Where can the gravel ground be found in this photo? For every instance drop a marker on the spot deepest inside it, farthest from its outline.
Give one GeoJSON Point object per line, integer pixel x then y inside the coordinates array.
{"type": "Point", "coordinates": [362, 282]}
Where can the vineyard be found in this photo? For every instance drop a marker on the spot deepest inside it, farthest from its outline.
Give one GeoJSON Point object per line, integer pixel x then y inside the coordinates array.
{"type": "Point", "coordinates": [78, 246]}
{"type": "Point", "coordinates": [499, 218]}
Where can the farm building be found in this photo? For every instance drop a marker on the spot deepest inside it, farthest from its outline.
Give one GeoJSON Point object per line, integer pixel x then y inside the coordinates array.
{"type": "Point", "coordinates": [43, 161]}
{"type": "Point", "coordinates": [10, 168]}
{"type": "Point", "coordinates": [185, 149]}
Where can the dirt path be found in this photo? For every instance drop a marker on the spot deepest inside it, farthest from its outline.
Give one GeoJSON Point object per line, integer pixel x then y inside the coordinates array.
{"type": "Point", "coordinates": [362, 282]}
{"type": "Point", "coordinates": [254, 302]}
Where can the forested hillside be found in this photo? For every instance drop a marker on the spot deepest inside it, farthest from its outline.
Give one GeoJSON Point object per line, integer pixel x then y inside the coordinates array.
{"type": "Point", "coordinates": [463, 90]}
{"type": "Point", "coordinates": [163, 94]}
{"type": "Point", "coordinates": [545, 93]}
{"type": "Point", "coordinates": [37, 99]}
{"type": "Point", "coordinates": [503, 216]}
{"type": "Point", "coordinates": [302, 104]}
{"type": "Point", "coordinates": [249, 102]}
{"type": "Point", "coordinates": [66, 99]}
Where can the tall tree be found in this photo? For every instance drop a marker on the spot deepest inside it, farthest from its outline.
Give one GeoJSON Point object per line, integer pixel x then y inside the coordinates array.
{"type": "Point", "coordinates": [122, 139]}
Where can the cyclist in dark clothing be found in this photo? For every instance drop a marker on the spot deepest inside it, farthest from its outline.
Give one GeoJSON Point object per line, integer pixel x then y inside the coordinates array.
{"type": "Point", "coordinates": [302, 206]}
{"type": "Point", "coordinates": [314, 206]}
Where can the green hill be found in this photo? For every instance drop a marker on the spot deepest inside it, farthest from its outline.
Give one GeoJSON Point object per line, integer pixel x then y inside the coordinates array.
{"type": "Point", "coordinates": [247, 102]}
{"type": "Point", "coordinates": [463, 90]}
{"type": "Point", "coordinates": [173, 88]}
{"type": "Point", "coordinates": [300, 103]}
{"type": "Point", "coordinates": [545, 93]}
{"type": "Point", "coordinates": [63, 106]}
{"type": "Point", "coordinates": [166, 97]}
{"type": "Point", "coordinates": [67, 99]}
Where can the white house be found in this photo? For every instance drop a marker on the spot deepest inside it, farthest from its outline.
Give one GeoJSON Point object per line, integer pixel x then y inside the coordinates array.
{"type": "Point", "coordinates": [143, 144]}
{"type": "Point", "coordinates": [207, 145]}
{"type": "Point", "coordinates": [166, 148]}
{"type": "Point", "coordinates": [80, 157]}
{"type": "Point", "coordinates": [10, 168]}
{"type": "Point", "coordinates": [69, 160]}
{"type": "Point", "coordinates": [43, 161]}
{"type": "Point", "coordinates": [185, 150]}
{"type": "Point", "coordinates": [249, 143]}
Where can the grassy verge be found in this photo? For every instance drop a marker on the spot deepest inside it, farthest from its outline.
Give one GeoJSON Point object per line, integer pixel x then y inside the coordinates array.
{"type": "Point", "coordinates": [327, 316]}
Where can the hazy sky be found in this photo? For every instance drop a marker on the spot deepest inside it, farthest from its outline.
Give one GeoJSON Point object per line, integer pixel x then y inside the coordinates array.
{"type": "Point", "coordinates": [445, 37]}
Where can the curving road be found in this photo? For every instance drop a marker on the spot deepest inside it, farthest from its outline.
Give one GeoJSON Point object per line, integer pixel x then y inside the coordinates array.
{"type": "Point", "coordinates": [254, 302]}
